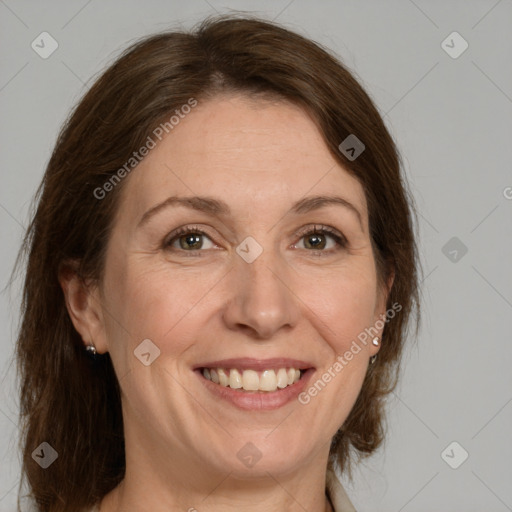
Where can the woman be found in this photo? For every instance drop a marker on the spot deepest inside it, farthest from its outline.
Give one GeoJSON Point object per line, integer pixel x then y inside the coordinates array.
{"type": "Point", "coordinates": [221, 270]}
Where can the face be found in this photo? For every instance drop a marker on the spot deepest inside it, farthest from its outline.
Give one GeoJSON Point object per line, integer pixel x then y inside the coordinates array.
{"type": "Point", "coordinates": [245, 285]}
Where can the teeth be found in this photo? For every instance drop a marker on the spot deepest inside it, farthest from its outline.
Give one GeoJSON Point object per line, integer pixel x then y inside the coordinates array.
{"type": "Point", "coordinates": [235, 379]}
{"type": "Point", "coordinates": [223, 378]}
{"type": "Point", "coordinates": [250, 380]}
{"type": "Point", "coordinates": [268, 380]}
{"type": "Point", "coordinates": [282, 378]}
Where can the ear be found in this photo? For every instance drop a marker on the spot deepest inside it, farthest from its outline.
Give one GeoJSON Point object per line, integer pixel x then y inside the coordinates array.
{"type": "Point", "coordinates": [380, 309]}
{"type": "Point", "coordinates": [384, 292]}
{"type": "Point", "coordinates": [83, 302]}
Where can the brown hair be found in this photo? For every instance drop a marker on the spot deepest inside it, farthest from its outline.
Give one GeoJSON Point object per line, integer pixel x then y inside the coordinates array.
{"type": "Point", "coordinates": [73, 402]}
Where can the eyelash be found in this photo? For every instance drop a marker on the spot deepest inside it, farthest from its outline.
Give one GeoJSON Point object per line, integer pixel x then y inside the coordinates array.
{"type": "Point", "coordinates": [324, 230]}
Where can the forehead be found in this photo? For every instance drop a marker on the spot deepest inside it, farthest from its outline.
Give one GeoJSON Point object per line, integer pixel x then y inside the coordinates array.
{"type": "Point", "coordinates": [255, 154]}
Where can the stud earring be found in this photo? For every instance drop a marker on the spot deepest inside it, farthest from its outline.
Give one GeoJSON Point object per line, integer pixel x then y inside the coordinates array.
{"type": "Point", "coordinates": [91, 349]}
{"type": "Point", "coordinates": [375, 342]}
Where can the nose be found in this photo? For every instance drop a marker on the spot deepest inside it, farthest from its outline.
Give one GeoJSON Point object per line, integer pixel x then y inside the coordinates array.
{"type": "Point", "coordinates": [263, 301]}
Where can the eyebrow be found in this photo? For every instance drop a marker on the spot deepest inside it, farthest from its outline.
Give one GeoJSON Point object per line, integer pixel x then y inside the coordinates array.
{"type": "Point", "coordinates": [217, 207]}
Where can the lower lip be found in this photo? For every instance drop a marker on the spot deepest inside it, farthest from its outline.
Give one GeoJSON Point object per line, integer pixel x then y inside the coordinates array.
{"type": "Point", "coordinates": [258, 400]}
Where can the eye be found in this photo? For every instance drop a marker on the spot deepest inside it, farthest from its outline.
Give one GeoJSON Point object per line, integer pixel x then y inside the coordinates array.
{"type": "Point", "coordinates": [315, 239]}
{"type": "Point", "coordinates": [189, 238]}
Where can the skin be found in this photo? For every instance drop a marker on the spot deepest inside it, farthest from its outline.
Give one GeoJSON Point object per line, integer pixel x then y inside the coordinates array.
{"type": "Point", "coordinates": [292, 301]}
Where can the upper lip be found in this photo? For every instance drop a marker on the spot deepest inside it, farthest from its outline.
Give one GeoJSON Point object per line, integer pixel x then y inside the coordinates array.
{"type": "Point", "coordinates": [248, 363]}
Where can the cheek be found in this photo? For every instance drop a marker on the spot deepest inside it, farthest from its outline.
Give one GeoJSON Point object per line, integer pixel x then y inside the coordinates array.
{"type": "Point", "coordinates": [147, 302]}
{"type": "Point", "coordinates": [344, 305]}
{"type": "Point", "coordinates": [341, 309]}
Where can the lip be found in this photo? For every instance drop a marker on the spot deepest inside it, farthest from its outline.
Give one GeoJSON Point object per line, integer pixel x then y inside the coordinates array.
{"type": "Point", "coordinates": [256, 400]}
{"type": "Point", "coordinates": [248, 363]}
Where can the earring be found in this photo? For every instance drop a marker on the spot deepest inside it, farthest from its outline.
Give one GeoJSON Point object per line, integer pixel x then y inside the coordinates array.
{"type": "Point", "coordinates": [375, 342]}
{"type": "Point", "coordinates": [91, 349]}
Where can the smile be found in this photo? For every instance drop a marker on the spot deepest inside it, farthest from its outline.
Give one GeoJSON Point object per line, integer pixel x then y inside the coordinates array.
{"type": "Point", "coordinates": [250, 380]}
{"type": "Point", "coordinates": [255, 384]}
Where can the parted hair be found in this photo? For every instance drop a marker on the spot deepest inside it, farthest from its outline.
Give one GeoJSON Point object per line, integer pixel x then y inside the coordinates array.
{"type": "Point", "coordinates": [72, 401]}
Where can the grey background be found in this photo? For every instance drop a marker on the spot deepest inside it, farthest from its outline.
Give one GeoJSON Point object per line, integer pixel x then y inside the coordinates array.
{"type": "Point", "coordinates": [452, 120]}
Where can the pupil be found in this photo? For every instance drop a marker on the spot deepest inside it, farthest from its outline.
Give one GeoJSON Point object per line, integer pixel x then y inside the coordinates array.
{"type": "Point", "coordinates": [191, 240]}
{"type": "Point", "coordinates": [317, 237]}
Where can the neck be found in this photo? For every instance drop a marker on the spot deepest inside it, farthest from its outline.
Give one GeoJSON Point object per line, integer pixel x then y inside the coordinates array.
{"type": "Point", "coordinates": [194, 488]}
{"type": "Point", "coordinates": [226, 496]}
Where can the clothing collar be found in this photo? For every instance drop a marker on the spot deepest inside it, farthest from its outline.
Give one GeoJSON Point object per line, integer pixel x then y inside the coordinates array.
{"type": "Point", "coordinates": [336, 493]}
